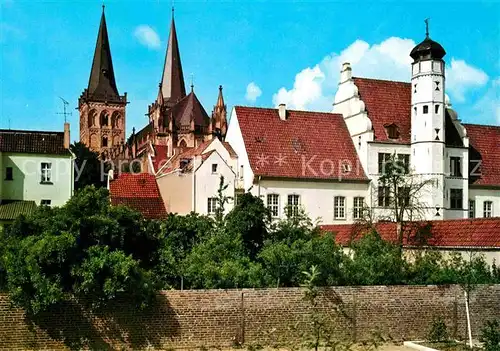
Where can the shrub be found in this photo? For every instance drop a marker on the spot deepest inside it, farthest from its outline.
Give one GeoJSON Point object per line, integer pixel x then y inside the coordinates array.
{"type": "Point", "coordinates": [490, 335]}
{"type": "Point", "coordinates": [438, 331]}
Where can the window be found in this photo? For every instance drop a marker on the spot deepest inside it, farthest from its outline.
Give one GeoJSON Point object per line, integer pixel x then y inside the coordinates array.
{"type": "Point", "coordinates": [45, 202]}
{"type": "Point", "coordinates": [382, 160]}
{"type": "Point", "coordinates": [426, 109]}
{"type": "Point", "coordinates": [358, 207]}
{"type": "Point", "coordinates": [392, 131]}
{"type": "Point", "coordinates": [8, 173]}
{"type": "Point", "coordinates": [403, 196]}
{"type": "Point", "coordinates": [472, 209]}
{"type": "Point", "coordinates": [383, 196]}
{"type": "Point", "coordinates": [241, 172]}
{"type": "Point", "coordinates": [455, 167]}
{"type": "Point", "coordinates": [293, 205]}
{"type": "Point", "coordinates": [436, 108]}
{"type": "Point", "coordinates": [46, 169]}
{"type": "Point", "coordinates": [456, 197]}
{"type": "Point", "coordinates": [104, 142]}
{"type": "Point", "coordinates": [487, 209]}
{"type": "Point", "coordinates": [211, 205]}
{"type": "Point", "coordinates": [273, 204]}
{"type": "Point", "coordinates": [404, 162]}
{"type": "Point", "coordinates": [437, 86]}
{"type": "Point", "coordinates": [214, 168]}
{"type": "Point", "coordinates": [339, 207]}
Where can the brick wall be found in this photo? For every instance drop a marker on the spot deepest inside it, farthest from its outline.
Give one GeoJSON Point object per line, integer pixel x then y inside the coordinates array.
{"type": "Point", "coordinates": [265, 316]}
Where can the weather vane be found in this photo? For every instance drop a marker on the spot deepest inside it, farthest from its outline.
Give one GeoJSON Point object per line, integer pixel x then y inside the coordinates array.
{"type": "Point", "coordinates": [426, 27]}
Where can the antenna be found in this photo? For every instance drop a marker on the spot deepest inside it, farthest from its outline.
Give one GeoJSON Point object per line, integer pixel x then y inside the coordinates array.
{"type": "Point", "coordinates": [64, 113]}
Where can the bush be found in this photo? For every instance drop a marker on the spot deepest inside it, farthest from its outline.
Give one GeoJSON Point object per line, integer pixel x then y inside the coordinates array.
{"type": "Point", "coordinates": [438, 331]}
{"type": "Point", "coordinates": [490, 335]}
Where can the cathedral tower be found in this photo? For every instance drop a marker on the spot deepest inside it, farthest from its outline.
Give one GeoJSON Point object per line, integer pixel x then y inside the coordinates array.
{"type": "Point", "coordinates": [219, 117]}
{"type": "Point", "coordinates": [428, 121]}
{"type": "Point", "coordinates": [102, 109]}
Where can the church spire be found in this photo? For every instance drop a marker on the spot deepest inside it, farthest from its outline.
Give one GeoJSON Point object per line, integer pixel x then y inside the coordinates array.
{"type": "Point", "coordinates": [172, 81]}
{"type": "Point", "coordinates": [220, 100]}
{"type": "Point", "coordinates": [102, 84]}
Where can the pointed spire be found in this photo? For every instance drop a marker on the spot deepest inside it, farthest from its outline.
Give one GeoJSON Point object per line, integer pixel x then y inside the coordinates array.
{"type": "Point", "coordinates": [220, 100]}
{"type": "Point", "coordinates": [172, 80]}
{"type": "Point", "coordinates": [102, 82]}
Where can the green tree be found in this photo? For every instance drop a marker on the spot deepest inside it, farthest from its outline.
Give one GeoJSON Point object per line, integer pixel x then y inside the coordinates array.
{"type": "Point", "coordinates": [87, 167]}
{"type": "Point", "coordinates": [86, 249]}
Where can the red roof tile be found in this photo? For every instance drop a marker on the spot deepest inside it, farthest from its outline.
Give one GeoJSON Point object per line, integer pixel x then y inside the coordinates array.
{"type": "Point", "coordinates": [474, 233]}
{"type": "Point", "coordinates": [484, 142]}
{"type": "Point", "coordinates": [310, 145]}
{"type": "Point", "coordinates": [138, 191]}
{"type": "Point", "coordinates": [387, 102]}
{"type": "Point", "coordinates": [26, 141]}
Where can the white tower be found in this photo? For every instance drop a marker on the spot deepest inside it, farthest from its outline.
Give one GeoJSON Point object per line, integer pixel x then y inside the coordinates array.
{"type": "Point", "coordinates": [428, 122]}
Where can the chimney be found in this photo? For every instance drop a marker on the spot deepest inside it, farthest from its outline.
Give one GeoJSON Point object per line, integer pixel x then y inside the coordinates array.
{"type": "Point", "coordinates": [66, 135]}
{"type": "Point", "coordinates": [345, 72]}
{"type": "Point", "coordinates": [282, 112]}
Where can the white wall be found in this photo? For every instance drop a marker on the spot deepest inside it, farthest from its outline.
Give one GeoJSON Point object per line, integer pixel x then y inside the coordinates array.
{"type": "Point", "coordinates": [482, 195]}
{"type": "Point", "coordinates": [207, 183]}
{"type": "Point", "coordinates": [27, 176]}
{"type": "Point", "coordinates": [316, 197]}
{"type": "Point", "coordinates": [235, 138]}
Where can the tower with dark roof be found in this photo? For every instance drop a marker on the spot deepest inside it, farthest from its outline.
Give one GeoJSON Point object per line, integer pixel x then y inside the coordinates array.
{"type": "Point", "coordinates": [428, 121]}
{"type": "Point", "coordinates": [102, 108]}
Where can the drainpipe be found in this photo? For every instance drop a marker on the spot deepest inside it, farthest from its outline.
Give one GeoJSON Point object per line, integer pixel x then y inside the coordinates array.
{"type": "Point", "coordinates": [194, 184]}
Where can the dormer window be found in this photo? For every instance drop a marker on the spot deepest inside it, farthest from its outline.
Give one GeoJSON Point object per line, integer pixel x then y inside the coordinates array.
{"type": "Point", "coordinates": [392, 131]}
{"type": "Point", "coordinates": [184, 163]}
{"type": "Point", "coordinates": [346, 167]}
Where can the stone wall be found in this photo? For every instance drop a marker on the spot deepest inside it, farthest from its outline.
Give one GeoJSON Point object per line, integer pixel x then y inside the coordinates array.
{"type": "Point", "coordinates": [194, 318]}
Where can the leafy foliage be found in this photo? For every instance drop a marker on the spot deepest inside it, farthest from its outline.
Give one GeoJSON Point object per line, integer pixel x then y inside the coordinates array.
{"type": "Point", "coordinates": [490, 335]}
{"type": "Point", "coordinates": [438, 331]}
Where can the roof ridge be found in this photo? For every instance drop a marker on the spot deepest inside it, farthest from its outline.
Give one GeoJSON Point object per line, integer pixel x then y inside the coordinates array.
{"type": "Point", "coordinates": [290, 110]}
{"type": "Point", "coordinates": [383, 80]}
{"type": "Point", "coordinates": [481, 125]}
{"type": "Point", "coordinates": [29, 131]}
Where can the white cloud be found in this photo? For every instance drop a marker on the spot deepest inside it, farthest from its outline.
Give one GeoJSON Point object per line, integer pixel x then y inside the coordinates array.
{"type": "Point", "coordinates": [461, 77]}
{"type": "Point", "coordinates": [314, 88]}
{"type": "Point", "coordinates": [253, 92]}
{"type": "Point", "coordinates": [147, 36]}
{"type": "Point", "coordinates": [487, 108]}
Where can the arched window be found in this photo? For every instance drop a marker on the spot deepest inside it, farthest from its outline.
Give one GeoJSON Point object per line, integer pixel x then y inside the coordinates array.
{"type": "Point", "coordinates": [92, 118]}
{"type": "Point", "coordinates": [116, 120]}
{"type": "Point", "coordinates": [183, 143]}
{"type": "Point", "coordinates": [104, 119]}
{"type": "Point", "coordinates": [104, 141]}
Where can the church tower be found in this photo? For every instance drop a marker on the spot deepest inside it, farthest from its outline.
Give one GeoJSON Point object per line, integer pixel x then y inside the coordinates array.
{"type": "Point", "coordinates": [102, 109]}
{"type": "Point", "coordinates": [219, 117]}
{"type": "Point", "coordinates": [428, 121]}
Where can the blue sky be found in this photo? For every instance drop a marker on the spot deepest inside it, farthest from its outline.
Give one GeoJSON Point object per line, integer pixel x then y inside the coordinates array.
{"type": "Point", "coordinates": [262, 53]}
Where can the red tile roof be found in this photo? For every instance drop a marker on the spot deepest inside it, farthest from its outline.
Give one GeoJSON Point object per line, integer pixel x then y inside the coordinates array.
{"type": "Point", "coordinates": [459, 233]}
{"type": "Point", "coordinates": [160, 156]}
{"type": "Point", "coordinates": [309, 145]}
{"type": "Point", "coordinates": [139, 192]}
{"type": "Point", "coordinates": [484, 144]}
{"type": "Point", "coordinates": [387, 102]}
{"type": "Point", "coordinates": [33, 142]}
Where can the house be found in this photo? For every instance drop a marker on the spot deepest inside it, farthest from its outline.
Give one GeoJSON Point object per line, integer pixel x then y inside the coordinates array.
{"type": "Point", "coordinates": [139, 192]}
{"type": "Point", "coordinates": [189, 181]}
{"type": "Point", "coordinates": [37, 169]}
{"type": "Point", "coordinates": [469, 237]}
{"type": "Point", "coordinates": [330, 163]}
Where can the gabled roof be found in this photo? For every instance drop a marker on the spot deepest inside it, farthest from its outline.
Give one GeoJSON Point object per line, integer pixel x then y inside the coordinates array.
{"type": "Point", "coordinates": [172, 81]}
{"type": "Point", "coordinates": [387, 102]}
{"type": "Point", "coordinates": [307, 145]}
{"type": "Point", "coordinates": [484, 151]}
{"type": "Point", "coordinates": [139, 192]}
{"type": "Point", "coordinates": [10, 210]}
{"type": "Point", "coordinates": [102, 84]}
{"type": "Point", "coordinates": [456, 233]}
{"type": "Point", "coordinates": [32, 142]}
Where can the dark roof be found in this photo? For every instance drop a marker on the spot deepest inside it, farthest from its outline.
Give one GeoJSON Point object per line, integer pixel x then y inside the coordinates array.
{"type": "Point", "coordinates": [387, 102]}
{"type": "Point", "coordinates": [10, 210]}
{"type": "Point", "coordinates": [188, 109]}
{"type": "Point", "coordinates": [484, 152]}
{"type": "Point", "coordinates": [102, 85]}
{"type": "Point", "coordinates": [307, 145]}
{"type": "Point", "coordinates": [427, 49]}
{"type": "Point", "coordinates": [172, 81]}
{"type": "Point", "coordinates": [456, 233]}
{"type": "Point", "coordinates": [32, 142]}
{"type": "Point", "coordinates": [139, 192]}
